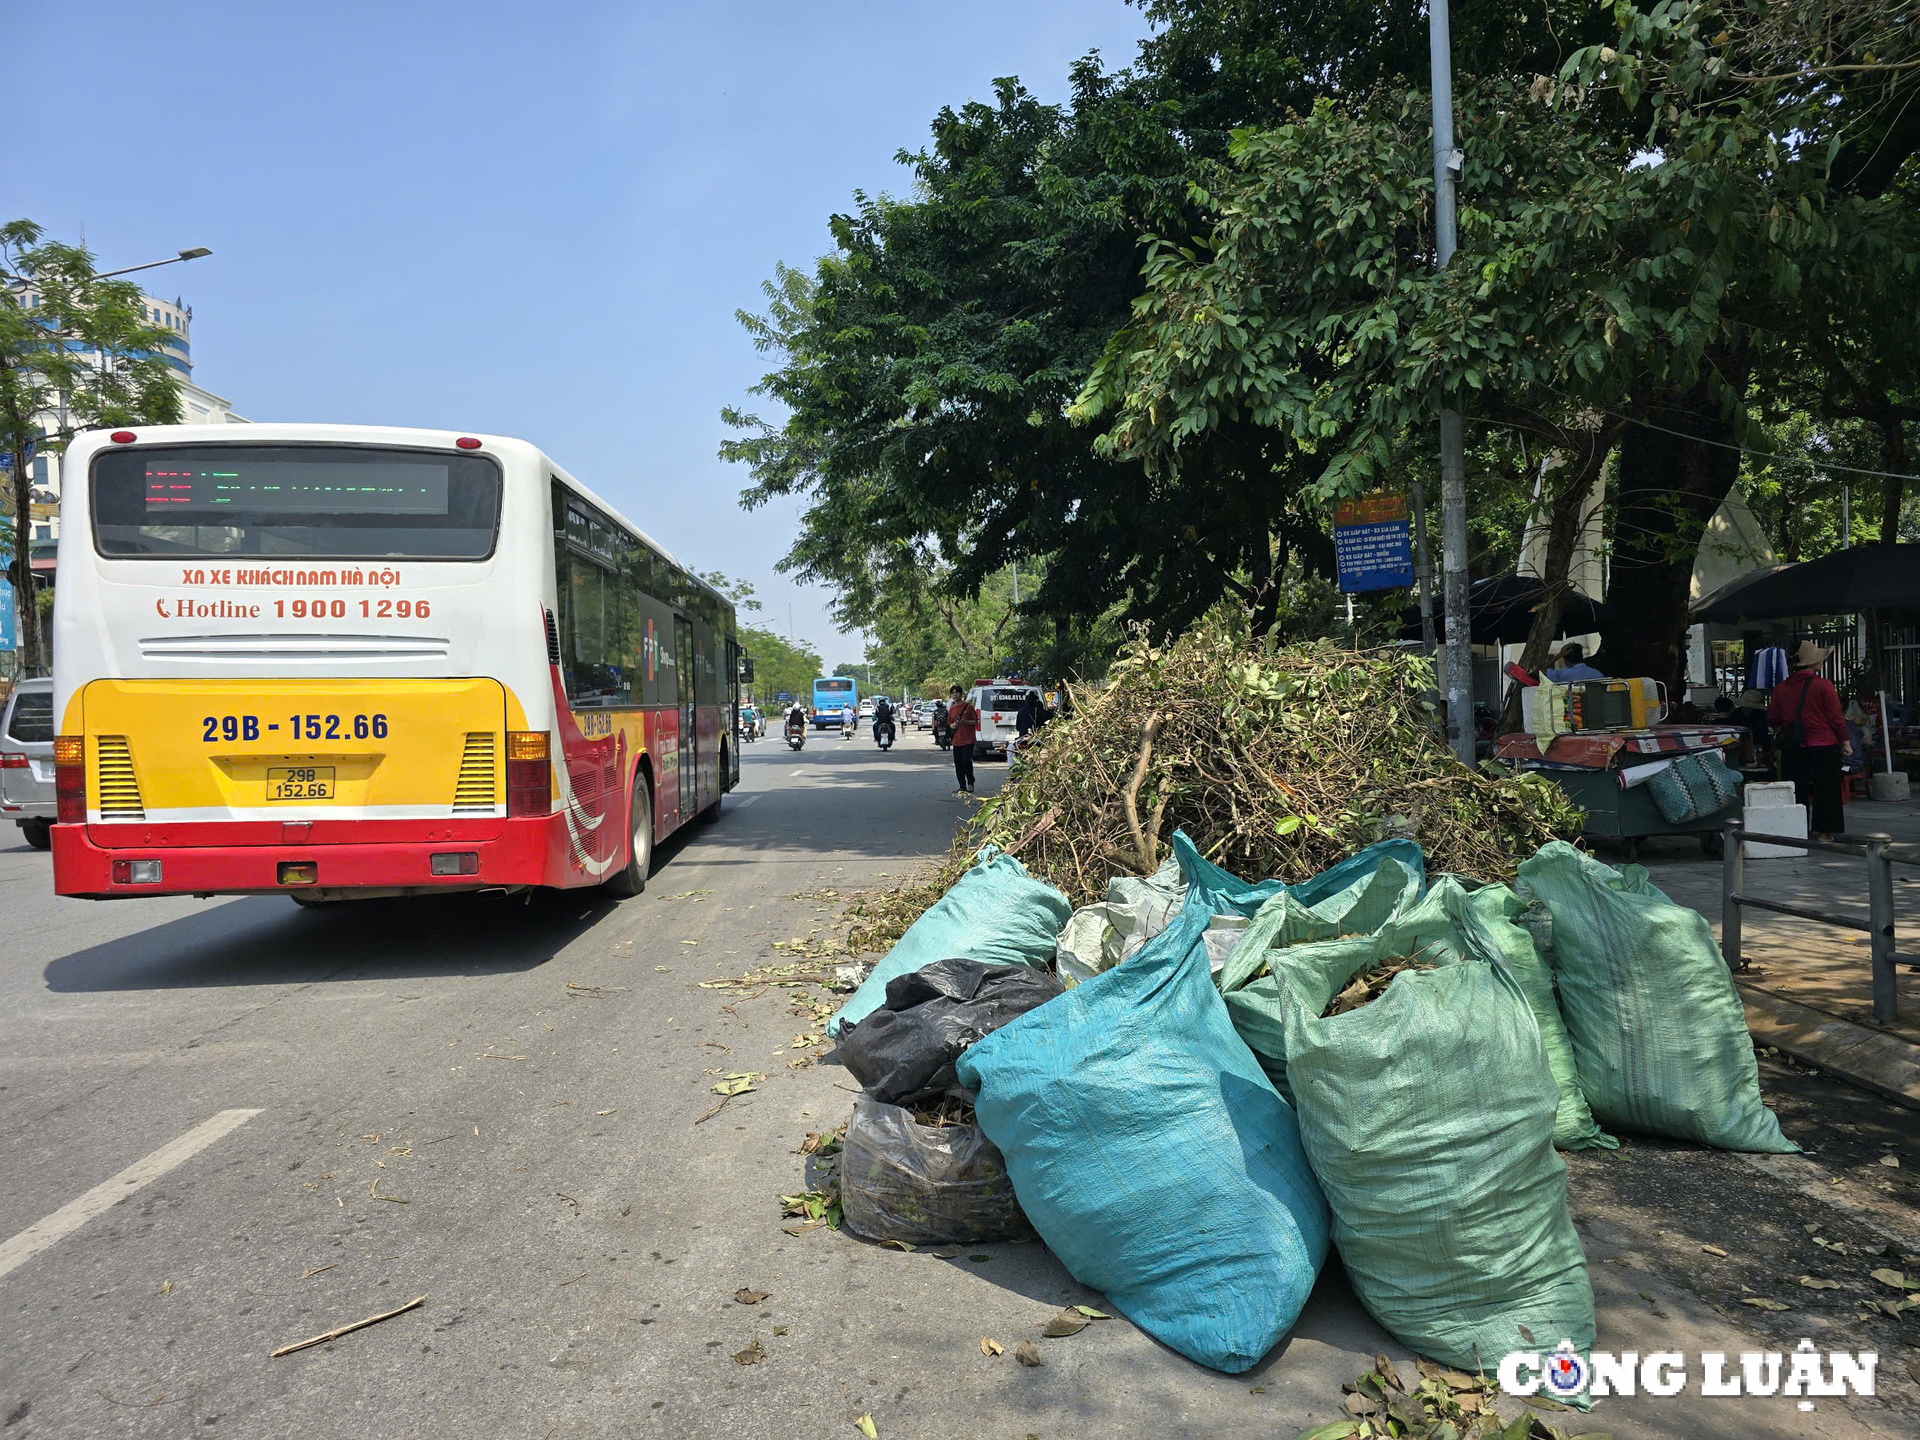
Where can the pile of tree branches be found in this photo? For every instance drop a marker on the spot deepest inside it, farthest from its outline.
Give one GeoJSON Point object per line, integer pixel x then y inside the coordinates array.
{"type": "Point", "coordinates": [1276, 762]}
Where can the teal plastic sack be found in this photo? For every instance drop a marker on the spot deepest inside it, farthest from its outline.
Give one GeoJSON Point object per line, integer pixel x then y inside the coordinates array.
{"type": "Point", "coordinates": [996, 913]}
{"type": "Point", "coordinates": [1428, 1118]}
{"type": "Point", "coordinates": [1152, 1155]}
{"type": "Point", "coordinates": [1225, 893]}
{"type": "Point", "coordinates": [1658, 1030]}
{"type": "Point", "coordinates": [1490, 920]}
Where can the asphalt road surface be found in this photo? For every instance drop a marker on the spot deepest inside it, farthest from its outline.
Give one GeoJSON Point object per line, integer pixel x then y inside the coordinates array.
{"type": "Point", "coordinates": [229, 1125]}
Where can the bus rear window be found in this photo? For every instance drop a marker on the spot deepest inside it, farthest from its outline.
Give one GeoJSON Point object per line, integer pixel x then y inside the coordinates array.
{"type": "Point", "coordinates": [833, 687]}
{"type": "Point", "coordinates": [335, 502]}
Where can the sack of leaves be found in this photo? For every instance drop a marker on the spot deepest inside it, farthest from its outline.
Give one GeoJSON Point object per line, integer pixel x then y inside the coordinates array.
{"type": "Point", "coordinates": [1659, 1032]}
{"type": "Point", "coordinates": [1427, 1112]}
{"type": "Point", "coordinates": [1152, 1155]}
{"type": "Point", "coordinates": [925, 1184]}
{"type": "Point", "coordinates": [994, 912]}
{"type": "Point", "coordinates": [905, 1050]}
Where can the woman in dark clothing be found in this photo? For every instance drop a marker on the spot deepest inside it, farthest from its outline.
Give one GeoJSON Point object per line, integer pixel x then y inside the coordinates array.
{"type": "Point", "coordinates": [1811, 732]}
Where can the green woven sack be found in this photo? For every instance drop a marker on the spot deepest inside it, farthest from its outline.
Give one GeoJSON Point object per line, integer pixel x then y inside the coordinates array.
{"type": "Point", "coordinates": [1659, 1034]}
{"type": "Point", "coordinates": [1491, 920]}
{"type": "Point", "coordinates": [1428, 1118]}
{"type": "Point", "coordinates": [1251, 990]}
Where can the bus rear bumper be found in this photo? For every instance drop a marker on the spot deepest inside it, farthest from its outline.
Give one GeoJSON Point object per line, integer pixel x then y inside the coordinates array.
{"type": "Point", "coordinates": [518, 854]}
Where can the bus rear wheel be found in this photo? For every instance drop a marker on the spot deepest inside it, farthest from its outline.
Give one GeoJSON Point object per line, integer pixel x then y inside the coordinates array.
{"type": "Point", "coordinates": [633, 879]}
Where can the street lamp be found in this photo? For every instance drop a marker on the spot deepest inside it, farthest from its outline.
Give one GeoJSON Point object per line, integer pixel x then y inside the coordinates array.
{"type": "Point", "coordinates": [193, 254]}
{"type": "Point", "coordinates": [1453, 460]}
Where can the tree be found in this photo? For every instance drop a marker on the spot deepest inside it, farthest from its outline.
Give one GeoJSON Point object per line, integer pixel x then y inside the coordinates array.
{"type": "Point", "coordinates": [779, 664]}
{"type": "Point", "coordinates": [928, 365]}
{"type": "Point", "coordinates": [76, 353]}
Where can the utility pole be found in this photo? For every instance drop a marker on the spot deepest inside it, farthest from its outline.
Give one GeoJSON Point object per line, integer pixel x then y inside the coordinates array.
{"type": "Point", "coordinates": [1453, 457]}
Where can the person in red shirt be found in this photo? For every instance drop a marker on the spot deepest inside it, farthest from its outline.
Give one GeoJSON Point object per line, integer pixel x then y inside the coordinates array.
{"type": "Point", "coordinates": [965, 722]}
{"type": "Point", "coordinates": [1811, 732]}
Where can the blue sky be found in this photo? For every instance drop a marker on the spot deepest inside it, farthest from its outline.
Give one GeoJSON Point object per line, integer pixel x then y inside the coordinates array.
{"type": "Point", "coordinates": [530, 219]}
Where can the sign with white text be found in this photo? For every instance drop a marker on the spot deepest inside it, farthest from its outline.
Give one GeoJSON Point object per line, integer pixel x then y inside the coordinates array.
{"type": "Point", "coordinates": [1373, 543]}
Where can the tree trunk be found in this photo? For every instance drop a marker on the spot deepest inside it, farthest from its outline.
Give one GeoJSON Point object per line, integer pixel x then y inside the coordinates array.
{"type": "Point", "coordinates": [1566, 510]}
{"type": "Point", "coordinates": [1893, 488]}
{"type": "Point", "coordinates": [1670, 486]}
{"type": "Point", "coordinates": [26, 608]}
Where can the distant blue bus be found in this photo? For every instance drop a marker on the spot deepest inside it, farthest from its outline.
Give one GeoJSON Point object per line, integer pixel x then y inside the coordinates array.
{"type": "Point", "coordinates": [833, 694]}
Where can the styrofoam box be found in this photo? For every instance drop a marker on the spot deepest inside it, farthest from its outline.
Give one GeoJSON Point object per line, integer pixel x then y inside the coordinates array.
{"type": "Point", "coordinates": [1763, 793]}
{"type": "Point", "coordinates": [1789, 820]}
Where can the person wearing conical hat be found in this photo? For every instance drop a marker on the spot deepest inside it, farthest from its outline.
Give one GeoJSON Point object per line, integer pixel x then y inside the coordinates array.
{"type": "Point", "coordinates": [1811, 732]}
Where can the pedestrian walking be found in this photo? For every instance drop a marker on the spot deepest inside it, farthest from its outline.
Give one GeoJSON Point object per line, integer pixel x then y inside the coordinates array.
{"type": "Point", "coordinates": [1811, 732]}
{"type": "Point", "coordinates": [964, 721]}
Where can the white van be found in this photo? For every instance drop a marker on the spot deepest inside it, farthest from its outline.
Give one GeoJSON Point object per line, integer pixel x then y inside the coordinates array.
{"type": "Point", "coordinates": [999, 707]}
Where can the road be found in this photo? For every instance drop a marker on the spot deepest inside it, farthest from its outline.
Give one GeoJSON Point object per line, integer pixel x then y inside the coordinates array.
{"type": "Point", "coordinates": [492, 1104]}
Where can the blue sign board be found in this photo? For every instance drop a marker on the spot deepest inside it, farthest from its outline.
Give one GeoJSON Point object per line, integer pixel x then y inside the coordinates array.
{"type": "Point", "coordinates": [1373, 543]}
{"type": "Point", "coordinates": [6, 457]}
{"type": "Point", "coordinates": [6, 605]}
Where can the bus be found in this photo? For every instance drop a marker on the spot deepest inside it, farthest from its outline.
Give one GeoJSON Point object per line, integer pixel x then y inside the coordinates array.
{"type": "Point", "coordinates": [834, 698]}
{"type": "Point", "coordinates": [339, 662]}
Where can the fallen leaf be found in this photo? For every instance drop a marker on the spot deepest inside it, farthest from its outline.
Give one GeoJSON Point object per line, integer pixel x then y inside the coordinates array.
{"type": "Point", "coordinates": [166, 1287]}
{"type": "Point", "coordinates": [1647, 1295]}
{"type": "Point", "coordinates": [740, 1084]}
{"type": "Point", "coordinates": [803, 1229]}
{"type": "Point", "coordinates": [1064, 1324]}
{"type": "Point", "coordinates": [779, 1329]}
{"type": "Point", "coordinates": [944, 1254]}
{"type": "Point", "coordinates": [1813, 1284]}
{"type": "Point", "coordinates": [753, 1354]}
{"type": "Point", "coordinates": [663, 970]}
{"type": "Point", "coordinates": [1714, 1250]}
{"type": "Point", "coordinates": [1527, 1335]}
{"type": "Point", "coordinates": [1091, 1313]}
{"type": "Point", "coordinates": [1892, 1162]}
{"type": "Point", "coordinates": [865, 1426]}
{"type": "Point", "coordinates": [1358, 1404]}
{"type": "Point", "coordinates": [991, 1346]}
{"type": "Point", "coordinates": [1541, 1402]}
{"type": "Point", "coordinates": [605, 1112]}
{"type": "Point", "coordinates": [899, 1245]}
{"type": "Point", "coordinates": [979, 1259]}
{"type": "Point", "coordinates": [1028, 1354]}
{"type": "Point", "coordinates": [745, 1296]}
{"type": "Point", "coordinates": [1895, 1279]}
{"type": "Point", "coordinates": [1760, 1304]}
{"type": "Point", "coordinates": [1392, 1376]}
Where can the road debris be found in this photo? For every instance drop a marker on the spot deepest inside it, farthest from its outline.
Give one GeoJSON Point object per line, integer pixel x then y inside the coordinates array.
{"type": "Point", "coordinates": [752, 1355]}
{"type": "Point", "coordinates": [317, 1269]}
{"type": "Point", "coordinates": [865, 1426]}
{"type": "Point", "coordinates": [1028, 1354]}
{"type": "Point", "coordinates": [339, 1330]}
{"type": "Point", "coordinates": [990, 1346]}
{"type": "Point", "coordinates": [746, 1296]}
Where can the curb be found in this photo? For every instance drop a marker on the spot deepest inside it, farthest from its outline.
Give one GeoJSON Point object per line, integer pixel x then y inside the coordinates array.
{"type": "Point", "coordinates": [1871, 1059]}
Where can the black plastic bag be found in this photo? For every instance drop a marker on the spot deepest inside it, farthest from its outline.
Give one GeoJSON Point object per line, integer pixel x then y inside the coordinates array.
{"type": "Point", "coordinates": [925, 1184]}
{"type": "Point", "coordinates": [905, 1050]}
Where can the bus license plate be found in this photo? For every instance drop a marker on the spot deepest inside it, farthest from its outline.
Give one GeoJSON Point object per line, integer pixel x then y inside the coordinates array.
{"type": "Point", "coordinates": [300, 782]}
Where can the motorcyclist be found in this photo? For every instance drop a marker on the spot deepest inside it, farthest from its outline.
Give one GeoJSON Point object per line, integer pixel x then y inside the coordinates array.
{"type": "Point", "coordinates": [796, 718]}
{"type": "Point", "coordinates": [882, 715]}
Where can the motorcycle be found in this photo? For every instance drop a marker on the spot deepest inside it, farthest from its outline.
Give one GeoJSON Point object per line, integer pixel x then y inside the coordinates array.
{"type": "Point", "coordinates": [942, 733]}
{"type": "Point", "coordinates": [796, 736]}
{"type": "Point", "coordinates": [846, 724]}
{"type": "Point", "coordinates": [883, 734]}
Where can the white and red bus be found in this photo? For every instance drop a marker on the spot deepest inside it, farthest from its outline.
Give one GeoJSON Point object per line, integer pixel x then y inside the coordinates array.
{"type": "Point", "coordinates": [345, 661]}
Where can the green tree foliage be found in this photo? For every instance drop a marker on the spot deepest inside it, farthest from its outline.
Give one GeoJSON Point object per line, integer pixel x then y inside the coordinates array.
{"type": "Point", "coordinates": [82, 356]}
{"type": "Point", "coordinates": [778, 664]}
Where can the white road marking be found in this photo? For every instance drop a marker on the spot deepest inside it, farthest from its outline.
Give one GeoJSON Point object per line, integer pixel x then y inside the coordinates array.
{"type": "Point", "coordinates": [796, 772]}
{"type": "Point", "coordinates": [745, 800]}
{"type": "Point", "coordinates": [104, 1196]}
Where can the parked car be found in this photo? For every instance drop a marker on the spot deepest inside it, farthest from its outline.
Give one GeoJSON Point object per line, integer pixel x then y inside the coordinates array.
{"type": "Point", "coordinates": [26, 761]}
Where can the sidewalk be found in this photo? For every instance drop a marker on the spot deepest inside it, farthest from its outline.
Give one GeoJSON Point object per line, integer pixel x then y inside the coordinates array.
{"type": "Point", "coordinates": [1808, 987]}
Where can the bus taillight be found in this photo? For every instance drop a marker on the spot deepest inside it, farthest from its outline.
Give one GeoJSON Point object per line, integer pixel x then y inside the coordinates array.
{"type": "Point", "coordinates": [70, 778]}
{"type": "Point", "coordinates": [529, 773]}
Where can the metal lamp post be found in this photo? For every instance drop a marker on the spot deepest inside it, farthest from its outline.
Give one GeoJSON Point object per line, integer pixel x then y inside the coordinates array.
{"type": "Point", "coordinates": [1453, 459]}
{"type": "Point", "coordinates": [193, 254]}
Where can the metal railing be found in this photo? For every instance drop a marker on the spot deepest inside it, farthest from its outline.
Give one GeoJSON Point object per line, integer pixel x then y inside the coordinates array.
{"type": "Point", "coordinates": [1881, 852]}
